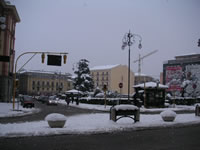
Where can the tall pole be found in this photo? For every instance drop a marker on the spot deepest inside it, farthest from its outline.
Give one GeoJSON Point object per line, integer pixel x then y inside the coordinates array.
{"type": "Point", "coordinates": [129, 52]}
{"type": "Point", "coordinates": [128, 40]}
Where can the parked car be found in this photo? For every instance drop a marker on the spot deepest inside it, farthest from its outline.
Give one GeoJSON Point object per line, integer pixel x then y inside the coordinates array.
{"type": "Point", "coordinates": [27, 101]}
{"type": "Point", "coordinates": [53, 100]}
{"type": "Point", "coordinates": [43, 99]}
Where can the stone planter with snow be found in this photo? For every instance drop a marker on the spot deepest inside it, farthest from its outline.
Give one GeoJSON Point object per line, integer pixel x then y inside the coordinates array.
{"type": "Point", "coordinates": [56, 120]}
{"type": "Point", "coordinates": [168, 115]}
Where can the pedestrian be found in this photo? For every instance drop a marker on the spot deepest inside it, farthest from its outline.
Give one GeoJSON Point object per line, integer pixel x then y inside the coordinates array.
{"type": "Point", "coordinates": [72, 97]}
{"type": "Point", "coordinates": [77, 101]}
{"type": "Point", "coordinates": [67, 99]}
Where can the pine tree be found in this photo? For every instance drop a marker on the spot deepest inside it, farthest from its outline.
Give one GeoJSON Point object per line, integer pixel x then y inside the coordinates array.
{"type": "Point", "coordinates": [83, 80]}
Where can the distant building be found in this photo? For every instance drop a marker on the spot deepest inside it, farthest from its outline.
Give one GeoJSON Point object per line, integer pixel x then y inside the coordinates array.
{"type": "Point", "coordinates": [43, 83]}
{"type": "Point", "coordinates": [8, 19]}
{"type": "Point", "coordinates": [111, 76]}
{"type": "Point", "coordinates": [141, 78]}
{"type": "Point", "coordinates": [182, 75]}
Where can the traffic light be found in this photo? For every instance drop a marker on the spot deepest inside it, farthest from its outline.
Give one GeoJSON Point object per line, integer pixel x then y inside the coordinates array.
{"type": "Point", "coordinates": [43, 57]}
{"type": "Point", "coordinates": [199, 43]}
{"type": "Point", "coordinates": [54, 60]}
{"type": "Point", "coordinates": [65, 58]}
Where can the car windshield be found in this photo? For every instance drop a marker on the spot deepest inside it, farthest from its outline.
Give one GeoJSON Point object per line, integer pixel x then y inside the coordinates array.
{"type": "Point", "coordinates": [52, 98]}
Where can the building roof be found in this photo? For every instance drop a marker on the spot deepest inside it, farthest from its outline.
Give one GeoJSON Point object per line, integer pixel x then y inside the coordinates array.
{"type": "Point", "coordinates": [106, 67]}
{"type": "Point", "coordinates": [151, 85]}
{"type": "Point", "coordinates": [8, 6]}
{"type": "Point", "coordinates": [140, 74]}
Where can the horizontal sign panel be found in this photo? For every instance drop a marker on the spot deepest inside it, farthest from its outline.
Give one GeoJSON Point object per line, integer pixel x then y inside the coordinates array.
{"type": "Point", "coordinates": [54, 60]}
{"type": "Point", "coordinates": [5, 58]}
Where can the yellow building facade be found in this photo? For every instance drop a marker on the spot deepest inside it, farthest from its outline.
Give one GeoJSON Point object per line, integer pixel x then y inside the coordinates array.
{"type": "Point", "coordinates": [38, 83]}
{"type": "Point", "coordinates": [111, 76]}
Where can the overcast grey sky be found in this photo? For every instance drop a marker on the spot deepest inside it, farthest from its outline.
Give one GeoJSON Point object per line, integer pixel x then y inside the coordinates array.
{"type": "Point", "coordinates": [93, 29]}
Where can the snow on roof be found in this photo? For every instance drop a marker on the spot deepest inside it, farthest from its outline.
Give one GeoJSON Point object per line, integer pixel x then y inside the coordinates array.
{"type": "Point", "coordinates": [151, 85]}
{"type": "Point", "coordinates": [126, 107]}
{"type": "Point", "coordinates": [106, 67]}
{"type": "Point", "coordinates": [140, 74]}
{"type": "Point", "coordinates": [73, 91]}
{"type": "Point", "coordinates": [189, 54]}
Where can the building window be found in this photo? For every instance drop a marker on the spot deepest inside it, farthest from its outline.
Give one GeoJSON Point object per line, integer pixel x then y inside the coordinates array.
{"type": "Point", "coordinates": [52, 84]}
{"type": "Point", "coordinates": [42, 83]}
{"type": "Point", "coordinates": [47, 83]}
{"type": "Point", "coordinates": [38, 84]}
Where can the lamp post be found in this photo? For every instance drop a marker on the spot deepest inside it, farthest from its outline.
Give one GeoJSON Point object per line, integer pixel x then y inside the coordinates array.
{"type": "Point", "coordinates": [128, 40]}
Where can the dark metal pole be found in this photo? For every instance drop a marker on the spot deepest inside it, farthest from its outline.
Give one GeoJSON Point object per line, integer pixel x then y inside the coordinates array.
{"type": "Point", "coordinates": [129, 51]}
{"type": "Point", "coordinates": [128, 42]}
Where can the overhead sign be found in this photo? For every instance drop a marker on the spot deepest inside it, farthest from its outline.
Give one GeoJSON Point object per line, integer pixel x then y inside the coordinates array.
{"type": "Point", "coordinates": [5, 58]}
{"type": "Point", "coordinates": [54, 60]}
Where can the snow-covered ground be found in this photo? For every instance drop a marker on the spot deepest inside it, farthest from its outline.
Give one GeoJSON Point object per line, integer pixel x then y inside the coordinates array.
{"type": "Point", "coordinates": [91, 123]}
{"type": "Point", "coordinates": [6, 110]}
{"type": "Point", "coordinates": [107, 108]}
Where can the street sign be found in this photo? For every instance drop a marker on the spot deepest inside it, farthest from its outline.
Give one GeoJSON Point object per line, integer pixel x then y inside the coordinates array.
{"type": "Point", "coordinates": [120, 85]}
{"type": "Point", "coordinates": [54, 60]}
{"type": "Point", "coordinates": [4, 58]}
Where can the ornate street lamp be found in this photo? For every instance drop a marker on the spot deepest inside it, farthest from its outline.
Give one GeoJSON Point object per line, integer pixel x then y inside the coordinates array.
{"type": "Point", "coordinates": [128, 40]}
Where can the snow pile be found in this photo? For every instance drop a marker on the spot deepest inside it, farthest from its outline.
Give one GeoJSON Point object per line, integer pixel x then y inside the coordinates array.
{"type": "Point", "coordinates": [55, 117]}
{"type": "Point", "coordinates": [126, 107]}
{"type": "Point", "coordinates": [168, 113]}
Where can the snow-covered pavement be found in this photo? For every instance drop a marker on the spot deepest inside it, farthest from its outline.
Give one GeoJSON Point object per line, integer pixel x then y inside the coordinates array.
{"type": "Point", "coordinates": [92, 123]}
{"type": "Point", "coordinates": [6, 110]}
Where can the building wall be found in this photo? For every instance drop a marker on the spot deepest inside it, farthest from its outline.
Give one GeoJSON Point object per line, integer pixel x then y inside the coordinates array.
{"type": "Point", "coordinates": [7, 41]}
{"type": "Point", "coordinates": [43, 84]}
{"type": "Point", "coordinates": [112, 77]}
{"type": "Point", "coordinates": [182, 75]}
{"type": "Point", "coordinates": [120, 75]}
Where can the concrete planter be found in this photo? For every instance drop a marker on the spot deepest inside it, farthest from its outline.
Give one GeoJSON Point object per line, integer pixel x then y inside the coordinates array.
{"type": "Point", "coordinates": [168, 115]}
{"type": "Point", "coordinates": [169, 119]}
{"type": "Point", "coordinates": [57, 124]}
{"type": "Point", "coordinates": [56, 120]}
